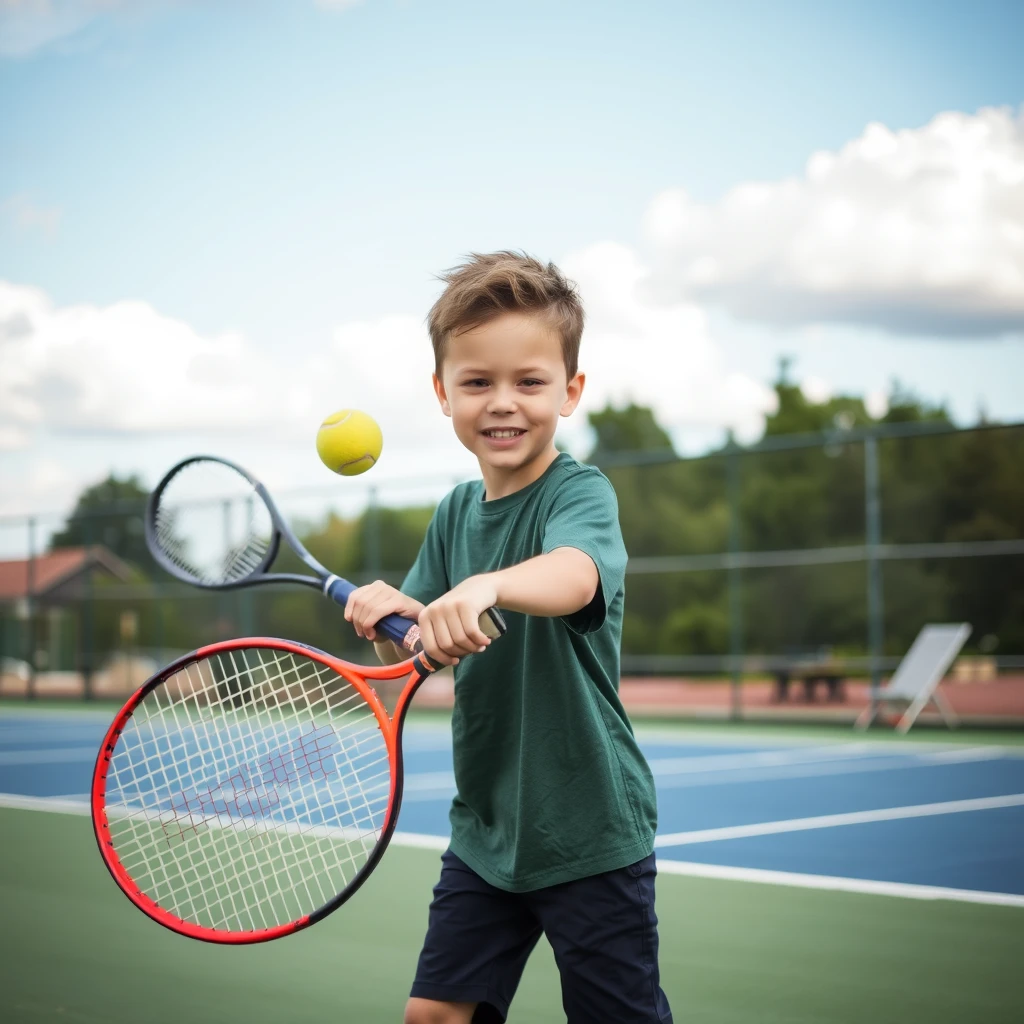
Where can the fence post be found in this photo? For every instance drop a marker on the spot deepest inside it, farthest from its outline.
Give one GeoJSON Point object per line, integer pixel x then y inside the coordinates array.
{"type": "Point", "coordinates": [873, 537]}
{"type": "Point", "coordinates": [88, 641]}
{"type": "Point", "coordinates": [372, 536]}
{"type": "Point", "coordinates": [30, 608]}
{"type": "Point", "coordinates": [736, 639]}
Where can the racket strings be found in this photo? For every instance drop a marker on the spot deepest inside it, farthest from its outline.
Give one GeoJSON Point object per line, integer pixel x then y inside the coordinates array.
{"type": "Point", "coordinates": [212, 524]}
{"type": "Point", "coordinates": [248, 790]}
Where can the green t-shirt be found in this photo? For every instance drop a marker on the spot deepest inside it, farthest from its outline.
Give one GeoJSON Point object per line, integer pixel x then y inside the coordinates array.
{"type": "Point", "coordinates": [551, 783]}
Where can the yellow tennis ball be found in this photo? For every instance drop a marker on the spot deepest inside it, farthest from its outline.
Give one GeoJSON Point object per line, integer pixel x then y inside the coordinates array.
{"type": "Point", "coordinates": [349, 442]}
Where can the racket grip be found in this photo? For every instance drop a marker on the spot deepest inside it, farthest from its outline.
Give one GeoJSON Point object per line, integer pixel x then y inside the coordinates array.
{"type": "Point", "coordinates": [404, 632]}
{"type": "Point", "coordinates": [491, 625]}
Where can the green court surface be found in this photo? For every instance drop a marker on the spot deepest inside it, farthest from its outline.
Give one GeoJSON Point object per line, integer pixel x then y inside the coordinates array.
{"type": "Point", "coordinates": [74, 949]}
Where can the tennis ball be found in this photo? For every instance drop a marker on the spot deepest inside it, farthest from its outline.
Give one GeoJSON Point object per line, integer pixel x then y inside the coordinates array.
{"type": "Point", "coordinates": [349, 442]}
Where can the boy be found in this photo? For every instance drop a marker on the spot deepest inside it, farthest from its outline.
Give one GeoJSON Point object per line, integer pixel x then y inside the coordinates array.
{"type": "Point", "coordinates": [553, 822]}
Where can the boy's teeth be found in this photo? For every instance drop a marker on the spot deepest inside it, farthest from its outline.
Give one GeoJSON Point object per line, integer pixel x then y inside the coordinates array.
{"type": "Point", "coordinates": [502, 433]}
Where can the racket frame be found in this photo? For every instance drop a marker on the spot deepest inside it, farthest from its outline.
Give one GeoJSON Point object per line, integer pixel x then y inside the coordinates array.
{"type": "Point", "coordinates": [258, 575]}
{"type": "Point", "coordinates": [417, 669]}
{"type": "Point", "coordinates": [404, 632]}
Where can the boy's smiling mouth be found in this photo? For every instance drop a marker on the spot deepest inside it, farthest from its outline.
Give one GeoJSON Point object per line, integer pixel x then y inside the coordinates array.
{"type": "Point", "coordinates": [503, 433]}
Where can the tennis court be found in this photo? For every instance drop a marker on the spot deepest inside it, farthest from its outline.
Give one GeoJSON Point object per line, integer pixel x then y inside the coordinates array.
{"type": "Point", "coordinates": [805, 876]}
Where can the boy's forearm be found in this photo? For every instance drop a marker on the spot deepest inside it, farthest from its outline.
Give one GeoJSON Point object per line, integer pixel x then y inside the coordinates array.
{"type": "Point", "coordinates": [558, 583]}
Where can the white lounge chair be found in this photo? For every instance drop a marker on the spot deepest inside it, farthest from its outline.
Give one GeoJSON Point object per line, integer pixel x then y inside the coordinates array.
{"type": "Point", "coordinates": [917, 679]}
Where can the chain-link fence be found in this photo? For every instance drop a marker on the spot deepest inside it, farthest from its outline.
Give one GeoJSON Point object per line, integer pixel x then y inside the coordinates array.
{"type": "Point", "coordinates": [828, 549]}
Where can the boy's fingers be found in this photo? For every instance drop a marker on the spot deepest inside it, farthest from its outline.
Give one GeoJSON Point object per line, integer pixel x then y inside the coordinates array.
{"type": "Point", "coordinates": [459, 642]}
{"type": "Point", "coordinates": [443, 638]}
{"type": "Point", "coordinates": [474, 634]}
{"type": "Point", "coordinates": [429, 641]}
{"type": "Point", "coordinates": [468, 633]}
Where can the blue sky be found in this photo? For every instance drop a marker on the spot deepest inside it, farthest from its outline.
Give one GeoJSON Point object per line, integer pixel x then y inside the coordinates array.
{"type": "Point", "coordinates": [276, 173]}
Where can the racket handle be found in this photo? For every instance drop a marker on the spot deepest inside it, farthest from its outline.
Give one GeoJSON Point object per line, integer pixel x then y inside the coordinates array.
{"type": "Point", "coordinates": [406, 632]}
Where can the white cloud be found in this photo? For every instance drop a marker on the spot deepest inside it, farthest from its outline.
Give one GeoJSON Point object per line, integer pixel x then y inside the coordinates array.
{"type": "Point", "coordinates": [128, 371]}
{"type": "Point", "coordinates": [94, 387]}
{"type": "Point", "coordinates": [121, 368]}
{"type": "Point", "coordinates": [917, 231]}
{"type": "Point", "coordinates": [664, 356]}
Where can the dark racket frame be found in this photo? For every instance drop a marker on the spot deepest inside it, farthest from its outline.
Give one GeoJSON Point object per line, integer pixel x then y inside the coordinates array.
{"type": "Point", "coordinates": [404, 632]}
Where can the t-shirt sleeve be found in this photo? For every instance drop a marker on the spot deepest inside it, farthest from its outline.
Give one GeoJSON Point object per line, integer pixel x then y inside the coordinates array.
{"type": "Point", "coordinates": [585, 516]}
{"type": "Point", "coordinates": [427, 580]}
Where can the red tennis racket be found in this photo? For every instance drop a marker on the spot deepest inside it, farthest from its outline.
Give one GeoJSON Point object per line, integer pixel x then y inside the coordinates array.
{"type": "Point", "coordinates": [249, 789]}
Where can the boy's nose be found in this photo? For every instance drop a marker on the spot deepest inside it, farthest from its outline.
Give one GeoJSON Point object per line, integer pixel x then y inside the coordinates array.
{"type": "Point", "coordinates": [502, 400]}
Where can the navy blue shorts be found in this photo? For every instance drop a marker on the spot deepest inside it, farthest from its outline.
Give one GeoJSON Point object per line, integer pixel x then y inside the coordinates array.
{"type": "Point", "coordinates": [603, 931]}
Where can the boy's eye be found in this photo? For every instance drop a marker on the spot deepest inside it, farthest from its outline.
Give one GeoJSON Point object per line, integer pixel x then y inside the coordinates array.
{"type": "Point", "coordinates": [476, 382]}
{"type": "Point", "coordinates": [530, 382]}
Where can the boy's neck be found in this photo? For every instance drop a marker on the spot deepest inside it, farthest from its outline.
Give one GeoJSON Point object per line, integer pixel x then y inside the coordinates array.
{"type": "Point", "coordinates": [500, 483]}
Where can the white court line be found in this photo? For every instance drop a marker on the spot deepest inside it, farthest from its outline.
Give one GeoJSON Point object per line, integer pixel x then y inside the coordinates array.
{"type": "Point", "coordinates": [441, 782]}
{"type": "Point", "coordinates": [416, 840]}
{"type": "Point", "coordinates": [49, 755]}
{"type": "Point", "coordinates": [861, 886]}
{"type": "Point", "coordinates": [768, 828]}
{"type": "Point", "coordinates": [813, 756]}
{"type": "Point", "coordinates": [752, 766]}
{"type": "Point", "coordinates": [757, 758]}
{"type": "Point", "coordinates": [853, 766]}
{"type": "Point", "coordinates": [50, 736]}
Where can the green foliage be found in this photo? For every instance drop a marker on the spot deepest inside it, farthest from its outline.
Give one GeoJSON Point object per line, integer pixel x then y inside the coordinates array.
{"type": "Point", "coordinates": [109, 513]}
{"type": "Point", "coordinates": [630, 429]}
{"type": "Point", "coordinates": [964, 486]}
{"type": "Point", "coordinates": [949, 487]}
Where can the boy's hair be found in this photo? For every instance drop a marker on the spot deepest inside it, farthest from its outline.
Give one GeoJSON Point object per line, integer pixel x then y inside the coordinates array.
{"type": "Point", "coordinates": [490, 284]}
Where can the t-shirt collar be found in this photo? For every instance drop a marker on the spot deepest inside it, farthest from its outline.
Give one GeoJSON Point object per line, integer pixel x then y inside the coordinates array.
{"type": "Point", "coordinates": [498, 505]}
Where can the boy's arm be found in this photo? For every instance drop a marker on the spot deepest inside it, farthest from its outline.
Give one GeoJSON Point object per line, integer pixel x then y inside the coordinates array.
{"type": "Point", "coordinates": [559, 583]}
{"type": "Point", "coordinates": [554, 584]}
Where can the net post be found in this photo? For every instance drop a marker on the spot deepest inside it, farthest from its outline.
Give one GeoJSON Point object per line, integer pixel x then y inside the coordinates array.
{"type": "Point", "coordinates": [373, 535]}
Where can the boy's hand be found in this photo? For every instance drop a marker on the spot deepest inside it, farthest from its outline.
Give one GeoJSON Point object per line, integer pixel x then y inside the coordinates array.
{"type": "Point", "coordinates": [450, 626]}
{"type": "Point", "coordinates": [367, 605]}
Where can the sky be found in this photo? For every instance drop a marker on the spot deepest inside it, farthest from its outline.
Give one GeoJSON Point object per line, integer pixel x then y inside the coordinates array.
{"type": "Point", "coordinates": [221, 221]}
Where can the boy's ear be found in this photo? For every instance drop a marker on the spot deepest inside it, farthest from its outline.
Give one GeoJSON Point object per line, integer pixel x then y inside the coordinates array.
{"type": "Point", "coordinates": [573, 394]}
{"type": "Point", "coordinates": [442, 395]}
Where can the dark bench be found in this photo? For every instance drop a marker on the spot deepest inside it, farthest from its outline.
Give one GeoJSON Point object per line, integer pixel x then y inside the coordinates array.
{"type": "Point", "coordinates": [811, 671]}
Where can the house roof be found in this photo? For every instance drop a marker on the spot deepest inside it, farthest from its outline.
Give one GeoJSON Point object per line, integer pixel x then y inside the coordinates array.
{"type": "Point", "coordinates": [56, 567]}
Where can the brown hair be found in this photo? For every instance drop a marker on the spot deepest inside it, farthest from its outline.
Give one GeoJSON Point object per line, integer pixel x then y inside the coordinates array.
{"type": "Point", "coordinates": [488, 285]}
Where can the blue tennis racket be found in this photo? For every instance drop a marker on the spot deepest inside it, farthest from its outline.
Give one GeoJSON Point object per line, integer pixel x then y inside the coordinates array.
{"type": "Point", "coordinates": [213, 524]}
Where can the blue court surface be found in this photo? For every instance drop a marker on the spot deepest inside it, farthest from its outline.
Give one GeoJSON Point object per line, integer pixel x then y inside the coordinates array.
{"type": "Point", "coordinates": [831, 811]}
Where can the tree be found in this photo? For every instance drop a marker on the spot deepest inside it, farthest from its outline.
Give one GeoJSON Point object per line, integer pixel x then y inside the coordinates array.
{"type": "Point", "coordinates": [109, 513]}
{"type": "Point", "coordinates": [630, 429]}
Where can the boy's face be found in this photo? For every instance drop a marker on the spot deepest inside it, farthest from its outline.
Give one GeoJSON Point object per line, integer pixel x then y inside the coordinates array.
{"type": "Point", "coordinates": [504, 386]}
